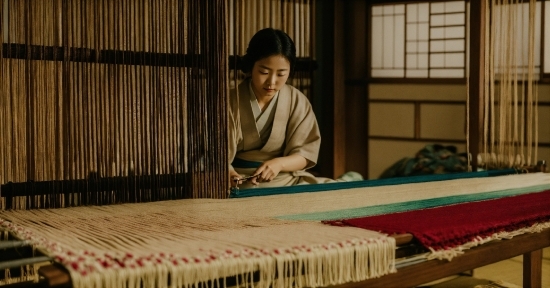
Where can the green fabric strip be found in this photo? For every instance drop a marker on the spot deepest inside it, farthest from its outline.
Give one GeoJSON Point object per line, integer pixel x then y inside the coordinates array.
{"type": "Point", "coordinates": [241, 163]}
{"type": "Point", "coordinates": [366, 183]}
{"type": "Point", "coordinates": [412, 205]}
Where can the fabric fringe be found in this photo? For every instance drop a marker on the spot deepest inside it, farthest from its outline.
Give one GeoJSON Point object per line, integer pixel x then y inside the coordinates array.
{"type": "Point", "coordinates": [27, 273]}
{"type": "Point", "coordinates": [450, 253]}
{"type": "Point", "coordinates": [356, 262]}
{"type": "Point", "coordinates": [304, 266]}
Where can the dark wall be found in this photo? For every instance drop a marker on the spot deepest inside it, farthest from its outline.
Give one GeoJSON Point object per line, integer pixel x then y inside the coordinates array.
{"type": "Point", "coordinates": [340, 95]}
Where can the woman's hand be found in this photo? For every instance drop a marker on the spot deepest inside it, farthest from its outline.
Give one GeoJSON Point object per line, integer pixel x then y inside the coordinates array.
{"type": "Point", "coordinates": [267, 171]}
{"type": "Point", "coordinates": [271, 168]}
{"type": "Point", "coordinates": [232, 176]}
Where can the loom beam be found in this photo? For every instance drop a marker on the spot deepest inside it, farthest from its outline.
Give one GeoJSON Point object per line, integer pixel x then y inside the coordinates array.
{"type": "Point", "coordinates": [119, 57]}
{"type": "Point", "coordinates": [12, 244]}
{"type": "Point", "coordinates": [23, 262]}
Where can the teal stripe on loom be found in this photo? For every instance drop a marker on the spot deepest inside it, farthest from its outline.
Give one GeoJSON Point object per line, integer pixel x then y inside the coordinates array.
{"type": "Point", "coordinates": [241, 163]}
{"type": "Point", "coordinates": [412, 205]}
{"type": "Point", "coordinates": [365, 183]}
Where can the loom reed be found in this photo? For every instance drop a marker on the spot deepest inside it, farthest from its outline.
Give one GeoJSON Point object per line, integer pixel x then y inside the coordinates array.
{"type": "Point", "coordinates": [124, 101]}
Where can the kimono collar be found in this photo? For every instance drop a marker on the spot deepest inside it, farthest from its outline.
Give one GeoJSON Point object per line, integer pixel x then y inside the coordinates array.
{"type": "Point", "coordinates": [282, 114]}
{"type": "Point", "coordinates": [256, 106]}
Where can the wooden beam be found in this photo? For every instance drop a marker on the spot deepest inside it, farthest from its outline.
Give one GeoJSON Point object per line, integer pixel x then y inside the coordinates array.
{"type": "Point", "coordinates": [339, 128]}
{"type": "Point", "coordinates": [477, 79]}
{"type": "Point", "coordinates": [402, 239]}
{"type": "Point", "coordinates": [124, 57]}
{"type": "Point", "coordinates": [323, 100]}
{"type": "Point", "coordinates": [355, 97]}
{"type": "Point", "coordinates": [55, 276]}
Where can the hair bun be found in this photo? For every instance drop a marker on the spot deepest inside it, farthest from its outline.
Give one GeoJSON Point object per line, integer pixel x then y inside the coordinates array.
{"type": "Point", "coordinates": [245, 65]}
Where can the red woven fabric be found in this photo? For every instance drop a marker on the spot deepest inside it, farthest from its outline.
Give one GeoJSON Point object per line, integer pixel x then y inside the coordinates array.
{"type": "Point", "coordinates": [453, 225]}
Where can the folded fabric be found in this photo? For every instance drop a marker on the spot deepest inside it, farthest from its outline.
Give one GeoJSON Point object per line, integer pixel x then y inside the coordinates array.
{"type": "Point", "coordinates": [432, 159]}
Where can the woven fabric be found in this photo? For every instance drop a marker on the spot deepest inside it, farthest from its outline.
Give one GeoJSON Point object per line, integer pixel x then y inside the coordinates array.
{"type": "Point", "coordinates": [198, 243]}
{"type": "Point", "coordinates": [451, 226]}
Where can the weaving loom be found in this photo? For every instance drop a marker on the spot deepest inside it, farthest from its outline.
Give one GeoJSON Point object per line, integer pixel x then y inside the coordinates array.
{"type": "Point", "coordinates": [277, 235]}
{"type": "Point", "coordinates": [111, 213]}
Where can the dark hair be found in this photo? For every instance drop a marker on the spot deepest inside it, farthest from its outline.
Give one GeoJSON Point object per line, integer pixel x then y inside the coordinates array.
{"type": "Point", "coordinates": [268, 42]}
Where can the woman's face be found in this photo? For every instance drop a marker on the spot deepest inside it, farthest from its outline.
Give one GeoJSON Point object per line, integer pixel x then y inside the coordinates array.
{"type": "Point", "coordinates": [269, 75]}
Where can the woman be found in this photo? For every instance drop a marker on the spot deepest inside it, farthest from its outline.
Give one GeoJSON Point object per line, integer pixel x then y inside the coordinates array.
{"type": "Point", "coordinates": [273, 132]}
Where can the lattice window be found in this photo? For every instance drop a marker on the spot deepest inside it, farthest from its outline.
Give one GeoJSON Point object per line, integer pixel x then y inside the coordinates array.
{"type": "Point", "coordinates": [447, 39]}
{"type": "Point", "coordinates": [419, 40]}
{"type": "Point", "coordinates": [430, 40]}
{"type": "Point", "coordinates": [388, 43]}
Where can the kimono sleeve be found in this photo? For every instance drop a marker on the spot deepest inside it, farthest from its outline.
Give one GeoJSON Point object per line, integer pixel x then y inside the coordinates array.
{"type": "Point", "coordinates": [234, 133]}
{"type": "Point", "coordinates": [302, 134]}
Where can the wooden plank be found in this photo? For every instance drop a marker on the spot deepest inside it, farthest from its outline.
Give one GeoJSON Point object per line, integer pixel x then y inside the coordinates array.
{"type": "Point", "coordinates": [402, 239]}
{"type": "Point", "coordinates": [55, 276]}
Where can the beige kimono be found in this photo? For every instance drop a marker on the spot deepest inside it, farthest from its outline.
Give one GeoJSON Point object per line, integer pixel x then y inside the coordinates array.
{"type": "Point", "coordinates": [294, 130]}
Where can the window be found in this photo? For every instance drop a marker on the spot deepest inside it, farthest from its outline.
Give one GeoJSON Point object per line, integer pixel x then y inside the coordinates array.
{"type": "Point", "coordinates": [429, 40]}
{"type": "Point", "coordinates": [419, 40]}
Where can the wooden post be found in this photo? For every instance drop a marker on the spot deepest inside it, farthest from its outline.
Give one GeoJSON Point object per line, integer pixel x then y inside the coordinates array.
{"type": "Point", "coordinates": [478, 9]}
{"type": "Point", "coordinates": [328, 103]}
{"type": "Point", "coordinates": [339, 94]}
{"type": "Point", "coordinates": [532, 269]}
